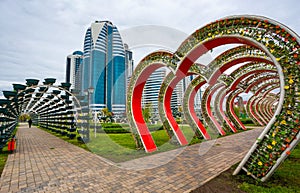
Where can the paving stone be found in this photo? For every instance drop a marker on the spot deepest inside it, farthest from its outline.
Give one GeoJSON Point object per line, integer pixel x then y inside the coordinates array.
{"type": "Point", "coordinates": [45, 163]}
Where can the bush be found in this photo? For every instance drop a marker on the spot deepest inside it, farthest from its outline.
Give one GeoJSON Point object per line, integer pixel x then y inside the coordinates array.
{"type": "Point", "coordinates": [155, 127]}
{"type": "Point", "coordinates": [247, 121]}
{"type": "Point", "coordinates": [111, 125]}
{"type": "Point", "coordinates": [115, 130]}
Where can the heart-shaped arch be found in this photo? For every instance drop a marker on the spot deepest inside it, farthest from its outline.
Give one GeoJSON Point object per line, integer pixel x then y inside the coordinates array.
{"type": "Point", "coordinates": [280, 44]}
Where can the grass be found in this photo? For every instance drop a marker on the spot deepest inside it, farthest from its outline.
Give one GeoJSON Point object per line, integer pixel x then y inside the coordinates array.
{"type": "Point", "coordinates": [285, 179]}
{"type": "Point", "coordinates": [3, 158]}
{"type": "Point", "coordinates": [121, 147]}
{"type": "Point", "coordinates": [4, 153]}
{"type": "Point", "coordinates": [65, 138]}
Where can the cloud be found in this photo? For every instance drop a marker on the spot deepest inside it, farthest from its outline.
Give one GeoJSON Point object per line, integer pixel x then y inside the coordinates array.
{"type": "Point", "coordinates": [36, 36]}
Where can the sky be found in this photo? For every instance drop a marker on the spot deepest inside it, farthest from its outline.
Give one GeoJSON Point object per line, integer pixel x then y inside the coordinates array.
{"type": "Point", "coordinates": [37, 35]}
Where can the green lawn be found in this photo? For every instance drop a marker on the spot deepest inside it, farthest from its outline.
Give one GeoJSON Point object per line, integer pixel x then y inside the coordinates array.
{"type": "Point", "coordinates": [285, 179]}
{"type": "Point", "coordinates": [4, 154]}
{"type": "Point", "coordinates": [65, 138]}
{"type": "Point", "coordinates": [3, 158]}
{"type": "Point", "coordinates": [121, 147]}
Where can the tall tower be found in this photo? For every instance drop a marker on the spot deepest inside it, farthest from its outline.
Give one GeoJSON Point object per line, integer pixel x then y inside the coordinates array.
{"type": "Point", "coordinates": [197, 101]}
{"type": "Point", "coordinates": [104, 67]}
{"type": "Point", "coordinates": [129, 63]}
{"type": "Point", "coordinates": [73, 65]}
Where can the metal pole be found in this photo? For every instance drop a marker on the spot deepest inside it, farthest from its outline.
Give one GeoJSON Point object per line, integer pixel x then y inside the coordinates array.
{"type": "Point", "coordinates": [95, 118]}
{"type": "Point", "coordinates": [88, 119]}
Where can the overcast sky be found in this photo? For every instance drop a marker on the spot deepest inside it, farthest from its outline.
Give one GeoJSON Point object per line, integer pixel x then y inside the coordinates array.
{"type": "Point", "coordinates": [37, 35]}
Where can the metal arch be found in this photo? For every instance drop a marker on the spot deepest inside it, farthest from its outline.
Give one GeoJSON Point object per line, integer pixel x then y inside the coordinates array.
{"type": "Point", "coordinates": [143, 70]}
{"type": "Point", "coordinates": [219, 109]}
{"type": "Point", "coordinates": [188, 107]}
{"type": "Point", "coordinates": [232, 94]}
{"type": "Point", "coordinates": [237, 55]}
{"type": "Point", "coordinates": [164, 106]}
{"type": "Point", "coordinates": [280, 43]}
{"type": "Point", "coordinates": [30, 98]}
{"type": "Point", "coordinates": [206, 109]}
{"type": "Point", "coordinates": [51, 86]}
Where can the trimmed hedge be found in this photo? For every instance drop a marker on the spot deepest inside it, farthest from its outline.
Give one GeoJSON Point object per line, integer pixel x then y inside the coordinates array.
{"type": "Point", "coordinates": [114, 125]}
{"type": "Point", "coordinates": [247, 121]}
{"type": "Point", "coordinates": [155, 127]}
{"type": "Point", "coordinates": [123, 128]}
{"type": "Point", "coordinates": [115, 130]}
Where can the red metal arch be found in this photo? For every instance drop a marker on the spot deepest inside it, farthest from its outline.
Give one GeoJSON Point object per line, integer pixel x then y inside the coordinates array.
{"type": "Point", "coordinates": [136, 106]}
{"type": "Point", "coordinates": [213, 119]}
{"type": "Point", "coordinates": [193, 113]}
{"type": "Point", "coordinates": [257, 82]}
{"type": "Point", "coordinates": [232, 127]}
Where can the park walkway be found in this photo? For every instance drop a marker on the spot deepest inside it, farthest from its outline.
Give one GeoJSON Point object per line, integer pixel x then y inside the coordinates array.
{"type": "Point", "coordinates": [45, 163]}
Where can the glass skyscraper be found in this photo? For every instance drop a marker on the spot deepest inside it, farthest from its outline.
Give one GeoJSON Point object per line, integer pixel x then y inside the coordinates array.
{"type": "Point", "coordinates": [73, 65]}
{"type": "Point", "coordinates": [104, 67]}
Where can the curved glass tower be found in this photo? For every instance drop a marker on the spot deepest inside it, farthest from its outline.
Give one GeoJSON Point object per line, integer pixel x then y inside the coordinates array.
{"type": "Point", "coordinates": [104, 67]}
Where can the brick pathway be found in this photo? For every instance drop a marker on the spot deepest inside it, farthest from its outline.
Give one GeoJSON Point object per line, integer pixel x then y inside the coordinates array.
{"type": "Point", "coordinates": [45, 163]}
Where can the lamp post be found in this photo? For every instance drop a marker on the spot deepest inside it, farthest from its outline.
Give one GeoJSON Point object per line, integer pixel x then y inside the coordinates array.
{"type": "Point", "coordinates": [90, 91]}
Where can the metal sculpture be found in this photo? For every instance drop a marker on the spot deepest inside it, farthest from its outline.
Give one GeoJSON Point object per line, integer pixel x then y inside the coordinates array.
{"type": "Point", "coordinates": [277, 48]}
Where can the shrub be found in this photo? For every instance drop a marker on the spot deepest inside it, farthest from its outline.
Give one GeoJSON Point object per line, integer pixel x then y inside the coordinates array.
{"type": "Point", "coordinates": [155, 127]}
{"type": "Point", "coordinates": [115, 130]}
{"type": "Point", "coordinates": [247, 121]}
{"type": "Point", "coordinates": [111, 125]}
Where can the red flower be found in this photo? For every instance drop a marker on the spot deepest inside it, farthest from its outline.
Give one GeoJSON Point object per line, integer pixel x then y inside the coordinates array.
{"type": "Point", "coordinates": [288, 152]}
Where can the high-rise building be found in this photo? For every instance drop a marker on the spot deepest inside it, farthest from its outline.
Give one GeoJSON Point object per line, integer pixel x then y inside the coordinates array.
{"type": "Point", "coordinates": [152, 87]}
{"type": "Point", "coordinates": [73, 65]}
{"type": "Point", "coordinates": [129, 63]}
{"type": "Point", "coordinates": [151, 90]}
{"type": "Point", "coordinates": [197, 100]}
{"type": "Point", "coordinates": [104, 67]}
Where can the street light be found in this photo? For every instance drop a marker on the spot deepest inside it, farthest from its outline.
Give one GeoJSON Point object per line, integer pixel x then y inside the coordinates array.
{"type": "Point", "coordinates": [90, 91]}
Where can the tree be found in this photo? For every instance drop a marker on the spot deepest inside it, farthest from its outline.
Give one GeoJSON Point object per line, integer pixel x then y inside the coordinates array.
{"type": "Point", "coordinates": [105, 111]}
{"type": "Point", "coordinates": [147, 110]}
{"type": "Point", "coordinates": [236, 111]}
{"type": "Point", "coordinates": [24, 117]}
{"type": "Point", "coordinates": [180, 110]}
{"type": "Point", "coordinates": [106, 114]}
